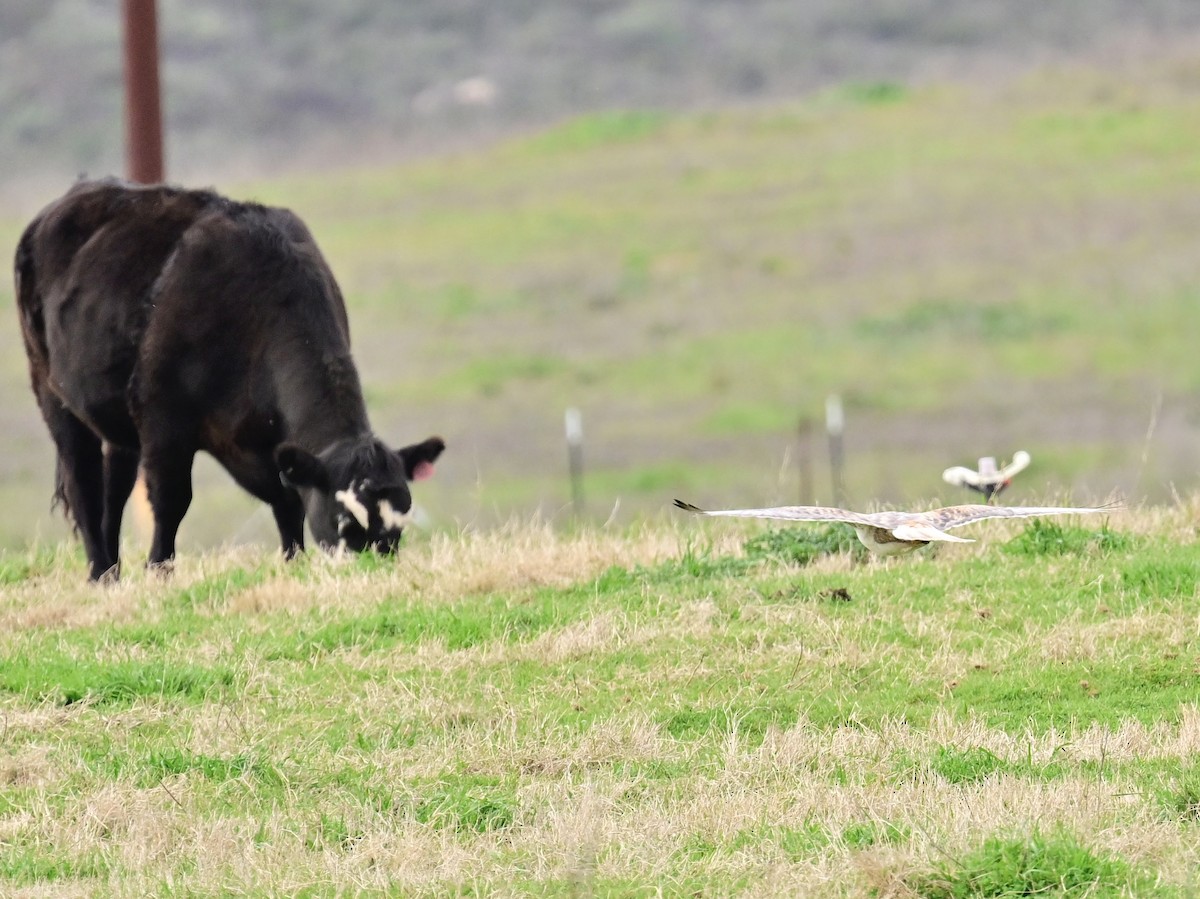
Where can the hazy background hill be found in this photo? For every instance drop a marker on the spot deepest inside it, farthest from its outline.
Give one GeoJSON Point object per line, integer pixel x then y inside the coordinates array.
{"type": "Point", "coordinates": [976, 222]}
{"type": "Point", "coordinates": [285, 82]}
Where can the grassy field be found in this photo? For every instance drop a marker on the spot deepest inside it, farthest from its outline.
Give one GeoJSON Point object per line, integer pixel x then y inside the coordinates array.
{"type": "Point", "coordinates": [686, 708]}
{"type": "Point", "coordinates": [976, 269]}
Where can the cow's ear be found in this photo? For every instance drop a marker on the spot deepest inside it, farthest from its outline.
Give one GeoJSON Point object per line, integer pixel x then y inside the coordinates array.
{"type": "Point", "coordinates": [418, 459]}
{"type": "Point", "coordinates": [300, 468]}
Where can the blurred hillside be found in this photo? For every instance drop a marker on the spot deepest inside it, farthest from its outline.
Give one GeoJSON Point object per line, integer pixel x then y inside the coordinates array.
{"type": "Point", "coordinates": [254, 85]}
{"type": "Point", "coordinates": [974, 268]}
{"type": "Point", "coordinates": [976, 222]}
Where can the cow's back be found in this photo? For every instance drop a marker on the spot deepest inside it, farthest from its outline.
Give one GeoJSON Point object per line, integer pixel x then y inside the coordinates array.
{"type": "Point", "coordinates": [245, 271]}
{"type": "Point", "coordinates": [249, 333]}
{"type": "Point", "coordinates": [86, 269]}
{"type": "Point", "coordinates": [121, 283]}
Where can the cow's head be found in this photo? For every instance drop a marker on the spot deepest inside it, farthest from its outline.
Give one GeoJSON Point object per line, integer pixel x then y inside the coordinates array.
{"type": "Point", "coordinates": [356, 493]}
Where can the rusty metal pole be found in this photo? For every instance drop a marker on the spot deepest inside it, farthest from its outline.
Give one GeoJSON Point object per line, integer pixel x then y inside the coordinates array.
{"type": "Point", "coordinates": [143, 149]}
{"type": "Point", "coordinates": [143, 104]}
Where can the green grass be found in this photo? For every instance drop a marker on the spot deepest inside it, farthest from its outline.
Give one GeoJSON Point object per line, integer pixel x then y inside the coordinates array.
{"type": "Point", "coordinates": [713, 707]}
{"type": "Point", "coordinates": [20, 567]}
{"type": "Point", "coordinates": [467, 805]}
{"type": "Point", "coordinates": [599, 131]}
{"type": "Point", "coordinates": [459, 626]}
{"type": "Point", "coordinates": [1044, 537]}
{"type": "Point", "coordinates": [1180, 793]}
{"type": "Point", "coordinates": [1037, 865]}
{"type": "Point", "coordinates": [62, 672]}
{"type": "Point", "coordinates": [28, 867]}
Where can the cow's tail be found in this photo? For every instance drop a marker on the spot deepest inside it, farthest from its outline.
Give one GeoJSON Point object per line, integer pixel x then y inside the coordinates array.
{"type": "Point", "coordinates": [33, 332]}
{"type": "Point", "coordinates": [59, 500]}
{"type": "Point", "coordinates": [30, 306]}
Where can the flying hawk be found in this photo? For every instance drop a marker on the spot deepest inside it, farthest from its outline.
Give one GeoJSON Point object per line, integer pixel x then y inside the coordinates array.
{"type": "Point", "coordinates": [890, 533]}
{"type": "Point", "coordinates": [988, 479]}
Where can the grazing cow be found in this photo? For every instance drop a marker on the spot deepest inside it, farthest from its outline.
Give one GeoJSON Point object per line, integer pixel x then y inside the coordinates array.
{"type": "Point", "coordinates": [161, 321]}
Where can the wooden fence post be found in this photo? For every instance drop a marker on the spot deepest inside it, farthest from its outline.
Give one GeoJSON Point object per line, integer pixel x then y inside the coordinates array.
{"type": "Point", "coordinates": [835, 423]}
{"type": "Point", "coordinates": [573, 420]}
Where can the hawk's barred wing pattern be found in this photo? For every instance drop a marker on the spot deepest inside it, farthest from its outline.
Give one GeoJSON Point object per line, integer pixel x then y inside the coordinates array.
{"type": "Point", "coordinates": [789, 513]}
{"type": "Point", "coordinates": [957, 516]}
{"type": "Point", "coordinates": [890, 532]}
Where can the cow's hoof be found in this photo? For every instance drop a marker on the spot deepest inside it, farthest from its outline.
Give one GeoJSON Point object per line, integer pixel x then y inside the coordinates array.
{"type": "Point", "coordinates": [109, 575]}
{"type": "Point", "coordinates": [162, 569]}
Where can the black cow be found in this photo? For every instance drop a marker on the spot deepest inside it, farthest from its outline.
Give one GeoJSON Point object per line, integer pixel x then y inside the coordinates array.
{"type": "Point", "coordinates": [161, 321]}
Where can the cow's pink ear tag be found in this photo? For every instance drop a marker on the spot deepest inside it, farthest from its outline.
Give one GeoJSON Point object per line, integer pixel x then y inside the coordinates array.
{"type": "Point", "coordinates": [422, 471]}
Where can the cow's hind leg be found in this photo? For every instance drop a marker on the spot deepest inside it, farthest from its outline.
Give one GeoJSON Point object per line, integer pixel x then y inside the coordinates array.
{"type": "Point", "coordinates": [168, 472]}
{"type": "Point", "coordinates": [80, 481]}
{"type": "Point", "coordinates": [120, 473]}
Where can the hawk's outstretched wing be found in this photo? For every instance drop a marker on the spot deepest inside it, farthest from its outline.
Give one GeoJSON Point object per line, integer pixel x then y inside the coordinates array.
{"type": "Point", "coordinates": [788, 513]}
{"type": "Point", "coordinates": [957, 516]}
{"type": "Point", "coordinates": [905, 525]}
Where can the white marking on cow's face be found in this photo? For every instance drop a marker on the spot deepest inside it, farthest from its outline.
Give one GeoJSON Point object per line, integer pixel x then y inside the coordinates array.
{"type": "Point", "coordinates": [392, 520]}
{"type": "Point", "coordinates": [352, 504]}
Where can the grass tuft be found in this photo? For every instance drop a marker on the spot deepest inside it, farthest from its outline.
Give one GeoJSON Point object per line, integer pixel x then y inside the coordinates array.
{"type": "Point", "coordinates": [332, 832]}
{"type": "Point", "coordinates": [1180, 797]}
{"type": "Point", "coordinates": [458, 625]}
{"type": "Point", "coordinates": [864, 834]}
{"type": "Point", "coordinates": [959, 766]}
{"type": "Point", "coordinates": [1159, 577]}
{"type": "Point", "coordinates": [170, 762]}
{"type": "Point", "coordinates": [206, 593]}
{"type": "Point", "coordinates": [468, 805]}
{"type": "Point", "coordinates": [67, 681]}
{"type": "Point", "coordinates": [40, 561]}
{"type": "Point", "coordinates": [1049, 538]}
{"type": "Point", "coordinates": [1053, 864]}
{"type": "Point", "coordinates": [696, 564]}
{"type": "Point", "coordinates": [795, 843]}
{"type": "Point", "coordinates": [749, 723]}
{"type": "Point", "coordinates": [804, 545]}
{"type": "Point", "coordinates": [20, 866]}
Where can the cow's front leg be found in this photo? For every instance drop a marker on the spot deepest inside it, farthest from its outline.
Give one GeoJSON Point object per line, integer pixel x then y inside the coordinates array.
{"type": "Point", "coordinates": [257, 473]}
{"type": "Point", "coordinates": [289, 517]}
{"type": "Point", "coordinates": [169, 485]}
